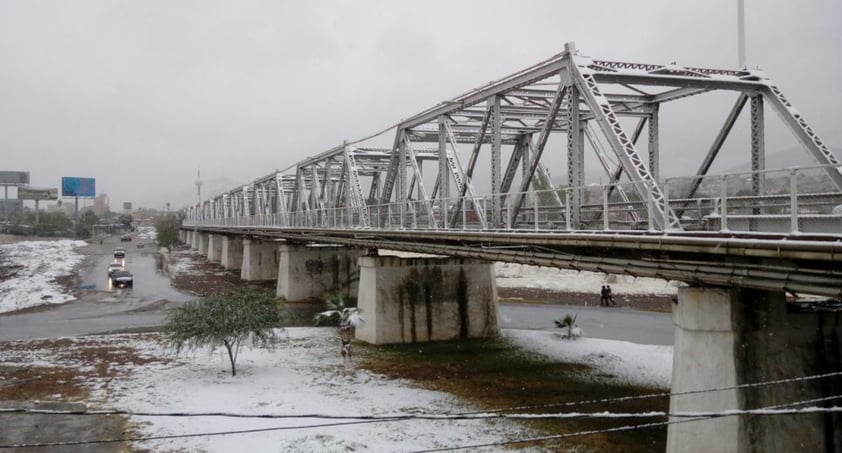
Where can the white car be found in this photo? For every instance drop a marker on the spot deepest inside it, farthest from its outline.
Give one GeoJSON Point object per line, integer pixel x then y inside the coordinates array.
{"type": "Point", "coordinates": [114, 267]}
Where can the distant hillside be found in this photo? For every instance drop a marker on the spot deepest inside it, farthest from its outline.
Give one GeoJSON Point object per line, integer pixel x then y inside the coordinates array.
{"type": "Point", "coordinates": [787, 158]}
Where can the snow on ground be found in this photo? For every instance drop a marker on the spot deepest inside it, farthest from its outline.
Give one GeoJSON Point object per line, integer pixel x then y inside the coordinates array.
{"type": "Point", "coordinates": [33, 282]}
{"type": "Point", "coordinates": [306, 377]}
{"type": "Point", "coordinates": [637, 364]}
{"type": "Point", "coordinates": [510, 275]}
{"type": "Point", "coordinates": [147, 233]}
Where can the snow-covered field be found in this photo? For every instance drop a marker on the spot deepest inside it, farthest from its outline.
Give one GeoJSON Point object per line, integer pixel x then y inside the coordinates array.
{"type": "Point", "coordinates": [34, 266]}
{"type": "Point", "coordinates": [307, 385]}
{"type": "Point", "coordinates": [305, 376]}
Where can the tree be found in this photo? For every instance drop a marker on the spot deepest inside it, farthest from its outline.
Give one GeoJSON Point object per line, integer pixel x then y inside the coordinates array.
{"type": "Point", "coordinates": [167, 226]}
{"type": "Point", "coordinates": [339, 312]}
{"type": "Point", "coordinates": [85, 226]}
{"type": "Point", "coordinates": [126, 220]}
{"type": "Point", "coordinates": [229, 320]}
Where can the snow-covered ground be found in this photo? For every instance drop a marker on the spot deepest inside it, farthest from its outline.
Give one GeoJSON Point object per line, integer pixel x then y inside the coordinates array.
{"type": "Point", "coordinates": [305, 376]}
{"type": "Point", "coordinates": [511, 275]}
{"type": "Point", "coordinates": [34, 266]}
{"type": "Point", "coordinates": [306, 379]}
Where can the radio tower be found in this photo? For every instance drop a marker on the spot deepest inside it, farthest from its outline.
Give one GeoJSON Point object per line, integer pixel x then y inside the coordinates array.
{"type": "Point", "coordinates": [199, 184]}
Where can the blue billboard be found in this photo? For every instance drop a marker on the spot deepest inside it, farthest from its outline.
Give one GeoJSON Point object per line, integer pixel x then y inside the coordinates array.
{"type": "Point", "coordinates": [78, 187]}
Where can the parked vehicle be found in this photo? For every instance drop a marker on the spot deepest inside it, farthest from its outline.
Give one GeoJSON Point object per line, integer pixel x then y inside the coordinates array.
{"type": "Point", "coordinates": [119, 253]}
{"type": "Point", "coordinates": [122, 279]}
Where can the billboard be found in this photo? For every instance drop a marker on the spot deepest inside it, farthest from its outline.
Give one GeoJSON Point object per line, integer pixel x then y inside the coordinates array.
{"type": "Point", "coordinates": [127, 206]}
{"type": "Point", "coordinates": [35, 193]}
{"type": "Point", "coordinates": [13, 178]}
{"type": "Point", "coordinates": [78, 187]}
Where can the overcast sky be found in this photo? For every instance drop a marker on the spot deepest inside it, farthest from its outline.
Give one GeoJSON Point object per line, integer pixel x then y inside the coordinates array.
{"type": "Point", "coordinates": [139, 94]}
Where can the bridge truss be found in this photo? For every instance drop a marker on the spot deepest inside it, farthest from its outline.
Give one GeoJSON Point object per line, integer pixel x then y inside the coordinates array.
{"type": "Point", "coordinates": [579, 99]}
{"type": "Point", "coordinates": [485, 150]}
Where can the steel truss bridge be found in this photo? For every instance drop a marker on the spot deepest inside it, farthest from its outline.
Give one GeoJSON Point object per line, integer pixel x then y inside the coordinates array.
{"type": "Point", "coordinates": [466, 178]}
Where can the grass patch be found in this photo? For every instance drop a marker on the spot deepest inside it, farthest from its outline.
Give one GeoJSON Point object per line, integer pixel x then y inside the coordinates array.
{"type": "Point", "coordinates": [493, 374]}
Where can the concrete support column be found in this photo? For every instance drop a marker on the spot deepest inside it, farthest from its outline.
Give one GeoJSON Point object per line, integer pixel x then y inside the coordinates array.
{"type": "Point", "coordinates": [232, 253]}
{"type": "Point", "coordinates": [409, 300]}
{"type": "Point", "coordinates": [307, 272]}
{"type": "Point", "coordinates": [727, 337]}
{"type": "Point", "coordinates": [260, 260]}
{"type": "Point", "coordinates": [202, 243]}
{"type": "Point", "coordinates": [192, 240]}
{"type": "Point", "coordinates": [215, 247]}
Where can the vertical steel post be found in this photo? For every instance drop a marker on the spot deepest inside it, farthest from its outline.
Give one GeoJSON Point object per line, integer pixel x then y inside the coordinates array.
{"type": "Point", "coordinates": [650, 207]}
{"type": "Point", "coordinates": [496, 147]}
{"type": "Point", "coordinates": [401, 195]}
{"type": "Point", "coordinates": [567, 221]}
{"type": "Point", "coordinates": [575, 158]}
{"type": "Point", "coordinates": [723, 203]}
{"type": "Point", "coordinates": [654, 144]}
{"type": "Point", "coordinates": [605, 223]}
{"type": "Point", "coordinates": [793, 200]}
{"type": "Point", "coordinates": [444, 176]}
{"type": "Point", "coordinates": [667, 204]}
{"type": "Point", "coordinates": [535, 209]}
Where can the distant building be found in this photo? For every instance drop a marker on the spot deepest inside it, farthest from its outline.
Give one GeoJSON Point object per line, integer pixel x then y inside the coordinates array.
{"type": "Point", "coordinates": [101, 205]}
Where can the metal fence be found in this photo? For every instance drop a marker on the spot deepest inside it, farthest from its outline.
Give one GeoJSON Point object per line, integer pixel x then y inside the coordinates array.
{"type": "Point", "coordinates": [792, 201]}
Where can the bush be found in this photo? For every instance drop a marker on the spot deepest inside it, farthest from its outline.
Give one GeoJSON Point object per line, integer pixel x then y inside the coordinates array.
{"type": "Point", "coordinates": [229, 320]}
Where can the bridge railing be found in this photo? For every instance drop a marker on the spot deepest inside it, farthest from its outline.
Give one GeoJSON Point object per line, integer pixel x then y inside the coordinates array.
{"type": "Point", "coordinates": [781, 201]}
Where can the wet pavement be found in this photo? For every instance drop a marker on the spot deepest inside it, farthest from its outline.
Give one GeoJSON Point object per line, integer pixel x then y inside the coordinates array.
{"type": "Point", "coordinates": [100, 307]}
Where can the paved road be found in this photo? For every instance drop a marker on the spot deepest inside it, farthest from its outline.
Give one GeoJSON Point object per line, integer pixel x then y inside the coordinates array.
{"type": "Point", "coordinates": [596, 322]}
{"type": "Point", "coordinates": [100, 307]}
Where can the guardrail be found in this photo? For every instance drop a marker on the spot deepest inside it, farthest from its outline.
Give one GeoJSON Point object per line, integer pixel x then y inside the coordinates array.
{"type": "Point", "coordinates": [791, 201]}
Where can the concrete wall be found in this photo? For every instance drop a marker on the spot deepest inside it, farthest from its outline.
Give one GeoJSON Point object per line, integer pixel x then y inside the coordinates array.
{"type": "Point", "coordinates": [215, 247]}
{"type": "Point", "coordinates": [232, 253]}
{"type": "Point", "coordinates": [409, 300]}
{"type": "Point", "coordinates": [727, 337]}
{"type": "Point", "coordinates": [306, 272]}
{"type": "Point", "coordinates": [260, 260]}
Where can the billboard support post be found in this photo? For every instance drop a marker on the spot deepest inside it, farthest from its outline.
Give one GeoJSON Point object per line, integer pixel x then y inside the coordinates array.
{"type": "Point", "coordinates": [36, 211]}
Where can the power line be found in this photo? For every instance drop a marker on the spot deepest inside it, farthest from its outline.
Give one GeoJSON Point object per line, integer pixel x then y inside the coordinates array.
{"type": "Point", "coordinates": [689, 416]}
{"type": "Point", "coordinates": [456, 415]}
{"type": "Point", "coordinates": [632, 427]}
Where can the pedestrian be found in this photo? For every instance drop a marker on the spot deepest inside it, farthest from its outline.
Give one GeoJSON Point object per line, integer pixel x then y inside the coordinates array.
{"type": "Point", "coordinates": [609, 297]}
{"type": "Point", "coordinates": [603, 296]}
{"type": "Point", "coordinates": [100, 242]}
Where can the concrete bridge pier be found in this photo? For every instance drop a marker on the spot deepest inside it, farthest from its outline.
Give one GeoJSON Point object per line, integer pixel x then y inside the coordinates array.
{"type": "Point", "coordinates": [215, 247]}
{"type": "Point", "coordinates": [232, 253]}
{"type": "Point", "coordinates": [260, 260]}
{"type": "Point", "coordinates": [410, 300]}
{"type": "Point", "coordinates": [202, 242]}
{"type": "Point", "coordinates": [305, 272]}
{"type": "Point", "coordinates": [192, 240]}
{"type": "Point", "coordinates": [727, 337]}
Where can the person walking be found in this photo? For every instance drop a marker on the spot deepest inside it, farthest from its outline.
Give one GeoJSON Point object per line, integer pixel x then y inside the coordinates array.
{"type": "Point", "coordinates": [603, 296]}
{"type": "Point", "coordinates": [609, 297]}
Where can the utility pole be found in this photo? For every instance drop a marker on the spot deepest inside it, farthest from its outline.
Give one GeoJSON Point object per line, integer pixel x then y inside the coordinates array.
{"type": "Point", "coordinates": [199, 194]}
{"type": "Point", "coordinates": [741, 34]}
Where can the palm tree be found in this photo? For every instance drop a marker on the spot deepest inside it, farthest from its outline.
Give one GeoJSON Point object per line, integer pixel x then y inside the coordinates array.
{"type": "Point", "coordinates": [339, 312]}
{"type": "Point", "coordinates": [568, 322]}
